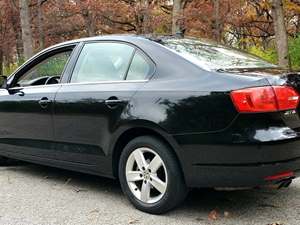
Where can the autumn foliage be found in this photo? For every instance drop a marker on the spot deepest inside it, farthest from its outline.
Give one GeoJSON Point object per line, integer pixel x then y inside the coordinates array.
{"type": "Point", "coordinates": [246, 24]}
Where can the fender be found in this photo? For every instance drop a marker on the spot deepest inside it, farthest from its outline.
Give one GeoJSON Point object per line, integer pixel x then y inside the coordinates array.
{"type": "Point", "coordinates": [144, 127]}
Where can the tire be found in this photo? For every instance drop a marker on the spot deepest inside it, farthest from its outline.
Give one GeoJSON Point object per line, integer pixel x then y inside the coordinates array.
{"type": "Point", "coordinates": [165, 181]}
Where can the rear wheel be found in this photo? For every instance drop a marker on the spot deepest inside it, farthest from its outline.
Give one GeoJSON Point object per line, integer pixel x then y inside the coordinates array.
{"type": "Point", "coordinates": [150, 175]}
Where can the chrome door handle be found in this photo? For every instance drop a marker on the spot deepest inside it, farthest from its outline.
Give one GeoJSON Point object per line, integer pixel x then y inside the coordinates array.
{"type": "Point", "coordinates": [20, 93]}
{"type": "Point", "coordinates": [113, 102]}
{"type": "Point", "coordinates": [44, 102]}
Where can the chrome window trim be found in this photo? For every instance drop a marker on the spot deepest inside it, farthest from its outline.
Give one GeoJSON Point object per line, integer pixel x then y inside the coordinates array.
{"type": "Point", "coordinates": [106, 82]}
{"type": "Point", "coordinates": [81, 83]}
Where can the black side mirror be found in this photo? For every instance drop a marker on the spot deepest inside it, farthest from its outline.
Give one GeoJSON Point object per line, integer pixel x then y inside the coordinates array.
{"type": "Point", "coordinates": [3, 82]}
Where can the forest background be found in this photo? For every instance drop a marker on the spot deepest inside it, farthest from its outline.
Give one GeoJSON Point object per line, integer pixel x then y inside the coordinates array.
{"type": "Point", "coordinates": [267, 28]}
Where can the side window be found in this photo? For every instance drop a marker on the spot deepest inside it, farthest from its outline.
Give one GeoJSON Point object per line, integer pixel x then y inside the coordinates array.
{"type": "Point", "coordinates": [102, 62]}
{"type": "Point", "coordinates": [139, 68]}
{"type": "Point", "coordinates": [48, 71]}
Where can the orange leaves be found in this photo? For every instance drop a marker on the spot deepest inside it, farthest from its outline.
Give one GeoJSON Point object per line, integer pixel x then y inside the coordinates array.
{"type": "Point", "coordinates": [215, 215]}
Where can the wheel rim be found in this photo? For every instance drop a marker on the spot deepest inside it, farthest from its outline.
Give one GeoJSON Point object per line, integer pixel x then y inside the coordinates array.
{"type": "Point", "coordinates": [146, 175]}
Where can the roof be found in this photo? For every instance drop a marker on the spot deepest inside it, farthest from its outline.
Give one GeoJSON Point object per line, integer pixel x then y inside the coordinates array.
{"type": "Point", "coordinates": [125, 37]}
{"type": "Point", "coordinates": [135, 39]}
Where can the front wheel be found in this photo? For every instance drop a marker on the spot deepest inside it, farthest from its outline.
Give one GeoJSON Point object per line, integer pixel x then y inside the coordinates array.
{"type": "Point", "coordinates": [150, 175]}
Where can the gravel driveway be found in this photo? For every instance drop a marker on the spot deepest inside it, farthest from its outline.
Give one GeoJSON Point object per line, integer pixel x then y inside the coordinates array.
{"type": "Point", "coordinates": [31, 194]}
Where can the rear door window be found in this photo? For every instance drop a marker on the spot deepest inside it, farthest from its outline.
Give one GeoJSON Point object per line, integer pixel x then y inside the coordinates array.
{"type": "Point", "coordinates": [102, 62]}
{"type": "Point", "coordinates": [139, 68]}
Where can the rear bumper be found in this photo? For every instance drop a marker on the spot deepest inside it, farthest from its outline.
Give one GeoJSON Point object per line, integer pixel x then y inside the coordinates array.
{"type": "Point", "coordinates": [237, 165]}
{"type": "Point", "coordinates": [240, 175]}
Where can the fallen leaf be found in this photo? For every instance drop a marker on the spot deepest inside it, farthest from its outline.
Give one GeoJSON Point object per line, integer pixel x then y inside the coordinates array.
{"type": "Point", "coordinates": [213, 215]}
{"type": "Point", "coordinates": [80, 190]}
{"type": "Point", "coordinates": [8, 180]}
{"type": "Point", "coordinates": [268, 206]}
{"type": "Point", "coordinates": [68, 181]}
{"type": "Point", "coordinates": [134, 221]}
{"type": "Point", "coordinates": [199, 219]}
{"type": "Point", "coordinates": [226, 214]}
{"type": "Point", "coordinates": [94, 211]}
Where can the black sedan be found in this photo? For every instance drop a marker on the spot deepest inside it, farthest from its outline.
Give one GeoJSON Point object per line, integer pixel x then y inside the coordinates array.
{"type": "Point", "coordinates": [160, 114]}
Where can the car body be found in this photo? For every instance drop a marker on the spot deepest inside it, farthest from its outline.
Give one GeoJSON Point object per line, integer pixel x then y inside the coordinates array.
{"type": "Point", "coordinates": [83, 124]}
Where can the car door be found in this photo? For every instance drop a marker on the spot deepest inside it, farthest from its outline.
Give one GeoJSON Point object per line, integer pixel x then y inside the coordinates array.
{"type": "Point", "coordinates": [88, 109]}
{"type": "Point", "coordinates": [26, 125]}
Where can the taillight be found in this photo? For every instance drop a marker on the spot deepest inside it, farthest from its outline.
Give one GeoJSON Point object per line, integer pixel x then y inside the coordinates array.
{"type": "Point", "coordinates": [284, 175]}
{"type": "Point", "coordinates": [265, 99]}
{"type": "Point", "coordinates": [287, 97]}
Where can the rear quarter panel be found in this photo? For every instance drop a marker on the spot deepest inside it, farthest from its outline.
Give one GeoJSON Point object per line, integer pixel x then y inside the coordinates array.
{"type": "Point", "coordinates": [189, 105]}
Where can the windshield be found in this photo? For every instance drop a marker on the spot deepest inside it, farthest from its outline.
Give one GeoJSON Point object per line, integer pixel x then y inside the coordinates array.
{"type": "Point", "coordinates": [214, 57]}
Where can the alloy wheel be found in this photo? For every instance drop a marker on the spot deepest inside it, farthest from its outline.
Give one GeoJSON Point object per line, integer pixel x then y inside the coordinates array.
{"type": "Point", "coordinates": [146, 175]}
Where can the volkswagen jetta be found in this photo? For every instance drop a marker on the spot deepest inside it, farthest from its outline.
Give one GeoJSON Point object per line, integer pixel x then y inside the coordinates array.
{"type": "Point", "coordinates": [160, 114]}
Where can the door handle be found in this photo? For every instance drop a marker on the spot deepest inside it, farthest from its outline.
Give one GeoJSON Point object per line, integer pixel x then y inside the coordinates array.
{"type": "Point", "coordinates": [20, 93]}
{"type": "Point", "coordinates": [113, 102]}
{"type": "Point", "coordinates": [44, 102]}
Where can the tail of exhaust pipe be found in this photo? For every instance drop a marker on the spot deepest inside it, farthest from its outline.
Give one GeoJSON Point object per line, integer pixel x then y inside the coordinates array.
{"type": "Point", "coordinates": [285, 183]}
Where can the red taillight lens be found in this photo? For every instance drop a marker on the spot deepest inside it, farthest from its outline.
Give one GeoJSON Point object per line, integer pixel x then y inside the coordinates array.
{"type": "Point", "coordinates": [284, 175]}
{"type": "Point", "coordinates": [265, 99]}
{"type": "Point", "coordinates": [287, 97]}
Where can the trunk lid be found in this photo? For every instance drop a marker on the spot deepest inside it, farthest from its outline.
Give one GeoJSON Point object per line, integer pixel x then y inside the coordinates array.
{"type": "Point", "coordinates": [275, 75]}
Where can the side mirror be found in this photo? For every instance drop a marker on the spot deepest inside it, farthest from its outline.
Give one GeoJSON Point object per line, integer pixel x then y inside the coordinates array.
{"type": "Point", "coordinates": [3, 82]}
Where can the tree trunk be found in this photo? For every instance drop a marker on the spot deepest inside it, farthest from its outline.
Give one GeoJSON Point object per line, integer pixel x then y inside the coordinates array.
{"type": "Point", "coordinates": [15, 21]}
{"type": "Point", "coordinates": [41, 25]}
{"type": "Point", "coordinates": [146, 17]}
{"type": "Point", "coordinates": [177, 18]}
{"type": "Point", "coordinates": [19, 44]}
{"type": "Point", "coordinates": [1, 62]}
{"type": "Point", "coordinates": [88, 17]}
{"type": "Point", "coordinates": [142, 17]}
{"type": "Point", "coordinates": [139, 25]}
{"type": "Point", "coordinates": [216, 21]}
{"type": "Point", "coordinates": [280, 33]}
{"type": "Point", "coordinates": [26, 29]}
{"type": "Point", "coordinates": [90, 23]}
{"type": "Point", "coordinates": [298, 24]}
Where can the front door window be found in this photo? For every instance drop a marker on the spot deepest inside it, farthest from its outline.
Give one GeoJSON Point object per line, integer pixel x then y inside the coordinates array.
{"type": "Point", "coordinates": [47, 72]}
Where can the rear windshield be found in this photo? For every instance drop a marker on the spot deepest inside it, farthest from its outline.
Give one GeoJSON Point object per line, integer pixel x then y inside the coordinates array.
{"type": "Point", "coordinates": [214, 57]}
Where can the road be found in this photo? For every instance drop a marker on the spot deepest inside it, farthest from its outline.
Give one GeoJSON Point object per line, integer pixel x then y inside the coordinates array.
{"type": "Point", "coordinates": [37, 195]}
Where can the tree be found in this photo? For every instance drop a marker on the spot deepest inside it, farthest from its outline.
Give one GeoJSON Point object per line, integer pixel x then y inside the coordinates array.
{"type": "Point", "coordinates": [13, 16]}
{"type": "Point", "coordinates": [7, 42]}
{"type": "Point", "coordinates": [177, 17]}
{"type": "Point", "coordinates": [216, 21]}
{"type": "Point", "coordinates": [40, 24]}
{"type": "Point", "coordinates": [280, 33]}
{"type": "Point", "coordinates": [247, 24]}
{"type": "Point", "coordinates": [2, 28]}
{"type": "Point", "coordinates": [142, 16]}
{"type": "Point", "coordinates": [26, 29]}
{"type": "Point", "coordinates": [86, 9]}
